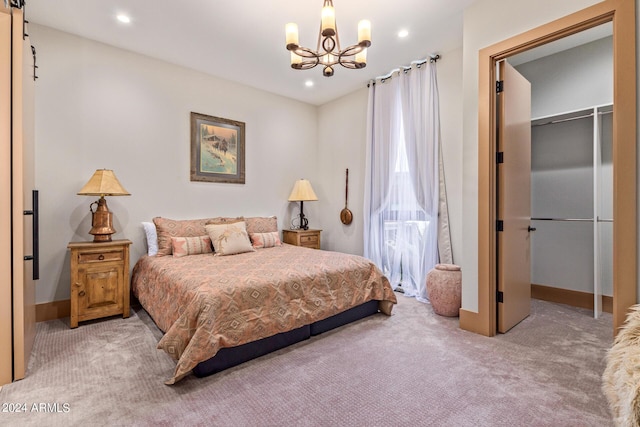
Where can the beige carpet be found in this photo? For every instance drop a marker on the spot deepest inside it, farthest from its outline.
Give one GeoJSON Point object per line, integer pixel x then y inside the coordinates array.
{"type": "Point", "coordinates": [412, 369]}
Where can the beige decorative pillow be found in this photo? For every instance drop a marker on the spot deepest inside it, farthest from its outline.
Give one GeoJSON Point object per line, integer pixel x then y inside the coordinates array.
{"type": "Point", "coordinates": [183, 246]}
{"type": "Point", "coordinates": [265, 240]}
{"type": "Point", "coordinates": [260, 224]}
{"type": "Point", "coordinates": [229, 239]}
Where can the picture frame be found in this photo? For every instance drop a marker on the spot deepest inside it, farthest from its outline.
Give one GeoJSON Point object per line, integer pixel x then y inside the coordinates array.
{"type": "Point", "coordinates": [217, 149]}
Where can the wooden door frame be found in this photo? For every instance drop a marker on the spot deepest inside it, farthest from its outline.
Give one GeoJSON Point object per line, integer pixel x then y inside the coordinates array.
{"type": "Point", "coordinates": [622, 14]}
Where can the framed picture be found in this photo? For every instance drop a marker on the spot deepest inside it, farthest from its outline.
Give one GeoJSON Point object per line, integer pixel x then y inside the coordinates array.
{"type": "Point", "coordinates": [217, 149]}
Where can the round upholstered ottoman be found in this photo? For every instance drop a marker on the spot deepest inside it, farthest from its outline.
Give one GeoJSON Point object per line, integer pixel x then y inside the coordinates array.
{"type": "Point", "coordinates": [444, 288]}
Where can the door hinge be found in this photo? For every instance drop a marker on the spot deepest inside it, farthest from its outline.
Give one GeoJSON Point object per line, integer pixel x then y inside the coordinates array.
{"type": "Point", "coordinates": [499, 296]}
{"type": "Point", "coordinates": [500, 157]}
{"type": "Point", "coordinates": [499, 225]}
{"type": "Point", "coordinates": [499, 86]}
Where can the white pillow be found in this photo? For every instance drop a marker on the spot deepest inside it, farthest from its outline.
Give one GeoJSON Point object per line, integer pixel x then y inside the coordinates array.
{"type": "Point", "coordinates": [152, 238]}
{"type": "Point", "coordinates": [229, 239]}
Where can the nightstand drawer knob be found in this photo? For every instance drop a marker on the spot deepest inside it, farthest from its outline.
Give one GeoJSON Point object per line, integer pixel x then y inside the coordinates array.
{"type": "Point", "coordinates": [101, 257]}
{"type": "Point", "coordinates": [81, 293]}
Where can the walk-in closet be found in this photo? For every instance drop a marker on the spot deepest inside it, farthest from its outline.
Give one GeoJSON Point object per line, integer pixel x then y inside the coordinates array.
{"type": "Point", "coordinates": [571, 203]}
{"type": "Point", "coordinates": [571, 171]}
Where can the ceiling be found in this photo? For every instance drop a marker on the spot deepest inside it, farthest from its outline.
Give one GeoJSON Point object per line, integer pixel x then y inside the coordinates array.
{"type": "Point", "coordinates": [244, 40]}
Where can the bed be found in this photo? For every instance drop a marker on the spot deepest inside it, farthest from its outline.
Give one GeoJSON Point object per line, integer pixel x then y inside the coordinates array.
{"type": "Point", "coordinates": [218, 311]}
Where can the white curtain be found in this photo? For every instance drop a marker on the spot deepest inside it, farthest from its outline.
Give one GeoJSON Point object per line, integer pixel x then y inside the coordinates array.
{"type": "Point", "coordinates": [402, 177]}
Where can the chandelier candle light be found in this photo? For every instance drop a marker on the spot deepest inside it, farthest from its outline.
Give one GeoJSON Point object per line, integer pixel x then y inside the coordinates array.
{"type": "Point", "coordinates": [328, 52]}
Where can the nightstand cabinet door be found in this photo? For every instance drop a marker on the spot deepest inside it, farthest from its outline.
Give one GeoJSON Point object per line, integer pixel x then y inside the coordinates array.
{"type": "Point", "coordinates": [99, 290]}
{"type": "Point", "coordinates": [99, 280]}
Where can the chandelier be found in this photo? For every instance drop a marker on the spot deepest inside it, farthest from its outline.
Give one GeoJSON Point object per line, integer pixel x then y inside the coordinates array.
{"type": "Point", "coordinates": [328, 52]}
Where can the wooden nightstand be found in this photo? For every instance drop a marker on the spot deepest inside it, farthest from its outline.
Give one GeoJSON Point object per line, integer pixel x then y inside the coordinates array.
{"type": "Point", "coordinates": [99, 280]}
{"type": "Point", "coordinates": [306, 238]}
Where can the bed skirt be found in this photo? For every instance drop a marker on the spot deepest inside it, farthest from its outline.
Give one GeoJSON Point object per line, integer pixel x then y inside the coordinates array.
{"type": "Point", "coordinates": [228, 357]}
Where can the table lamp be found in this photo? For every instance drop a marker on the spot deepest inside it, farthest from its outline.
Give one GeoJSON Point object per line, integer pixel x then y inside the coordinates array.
{"type": "Point", "coordinates": [303, 192]}
{"type": "Point", "coordinates": [102, 183]}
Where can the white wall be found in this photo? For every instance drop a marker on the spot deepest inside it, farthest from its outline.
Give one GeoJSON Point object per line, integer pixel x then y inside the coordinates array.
{"type": "Point", "coordinates": [342, 144]}
{"type": "Point", "coordinates": [450, 89]}
{"type": "Point", "coordinates": [571, 80]}
{"type": "Point", "coordinates": [487, 22]}
{"type": "Point", "coordinates": [103, 107]}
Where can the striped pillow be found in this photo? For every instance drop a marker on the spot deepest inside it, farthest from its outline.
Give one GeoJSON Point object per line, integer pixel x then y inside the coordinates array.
{"type": "Point", "coordinates": [183, 246]}
{"type": "Point", "coordinates": [265, 240]}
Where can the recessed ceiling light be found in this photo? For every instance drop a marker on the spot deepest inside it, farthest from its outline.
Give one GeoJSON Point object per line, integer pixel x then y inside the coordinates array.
{"type": "Point", "coordinates": [308, 83]}
{"type": "Point", "coordinates": [403, 33]}
{"type": "Point", "coordinates": [124, 19]}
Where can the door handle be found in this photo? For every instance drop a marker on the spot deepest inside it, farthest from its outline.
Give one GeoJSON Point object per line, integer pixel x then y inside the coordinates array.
{"type": "Point", "coordinates": [530, 229]}
{"type": "Point", "coordinates": [35, 235]}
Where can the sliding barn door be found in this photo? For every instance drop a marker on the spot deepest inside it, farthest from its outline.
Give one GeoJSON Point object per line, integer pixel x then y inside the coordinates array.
{"type": "Point", "coordinates": [17, 286]}
{"type": "Point", "coordinates": [514, 198]}
{"type": "Point", "coordinates": [24, 314]}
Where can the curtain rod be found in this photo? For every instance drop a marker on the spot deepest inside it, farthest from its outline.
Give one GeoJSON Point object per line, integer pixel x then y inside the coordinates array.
{"type": "Point", "coordinates": [432, 58]}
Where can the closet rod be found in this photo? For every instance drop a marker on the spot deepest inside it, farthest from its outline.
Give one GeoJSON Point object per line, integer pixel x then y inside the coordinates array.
{"type": "Point", "coordinates": [564, 219]}
{"type": "Point", "coordinates": [569, 119]}
{"type": "Point", "coordinates": [571, 219]}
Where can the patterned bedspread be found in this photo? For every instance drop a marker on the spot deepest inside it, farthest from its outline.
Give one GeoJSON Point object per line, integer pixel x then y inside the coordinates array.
{"type": "Point", "coordinates": [205, 302]}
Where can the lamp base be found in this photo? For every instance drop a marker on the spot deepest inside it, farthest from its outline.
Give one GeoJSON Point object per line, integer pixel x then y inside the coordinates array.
{"type": "Point", "coordinates": [101, 238]}
{"type": "Point", "coordinates": [101, 222]}
{"type": "Point", "coordinates": [304, 222]}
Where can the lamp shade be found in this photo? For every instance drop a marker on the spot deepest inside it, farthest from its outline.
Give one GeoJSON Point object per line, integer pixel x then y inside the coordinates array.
{"type": "Point", "coordinates": [103, 183]}
{"type": "Point", "coordinates": [302, 192]}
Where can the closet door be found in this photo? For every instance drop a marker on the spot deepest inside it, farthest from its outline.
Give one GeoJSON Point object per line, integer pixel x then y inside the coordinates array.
{"type": "Point", "coordinates": [514, 202]}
